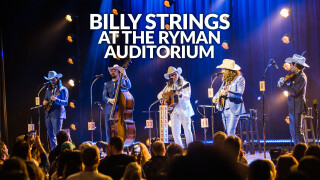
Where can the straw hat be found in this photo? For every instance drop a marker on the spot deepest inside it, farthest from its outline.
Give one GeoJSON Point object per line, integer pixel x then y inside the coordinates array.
{"type": "Point", "coordinates": [229, 64]}
{"type": "Point", "coordinates": [297, 59]}
{"type": "Point", "coordinates": [171, 70]}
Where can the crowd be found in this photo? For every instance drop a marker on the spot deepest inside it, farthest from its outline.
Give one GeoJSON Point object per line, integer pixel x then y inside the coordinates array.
{"type": "Point", "coordinates": [224, 159]}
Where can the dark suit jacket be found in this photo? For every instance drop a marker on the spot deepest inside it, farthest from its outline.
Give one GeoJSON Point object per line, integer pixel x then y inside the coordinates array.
{"type": "Point", "coordinates": [297, 93]}
{"type": "Point", "coordinates": [109, 91]}
{"type": "Point", "coordinates": [57, 109]}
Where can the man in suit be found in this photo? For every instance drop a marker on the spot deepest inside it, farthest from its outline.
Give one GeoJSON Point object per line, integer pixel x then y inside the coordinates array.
{"type": "Point", "coordinates": [183, 110]}
{"type": "Point", "coordinates": [54, 117]}
{"type": "Point", "coordinates": [297, 96]}
{"type": "Point", "coordinates": [109, 92]}
{"type": "Point", "coordinates": [232, 88]}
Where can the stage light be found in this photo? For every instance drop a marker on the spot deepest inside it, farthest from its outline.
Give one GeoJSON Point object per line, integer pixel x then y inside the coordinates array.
{"type": "Point", "coordinates": [169, 123]}
{"type": "Point", "coordinates": [225, 45]}
{"type": "Point", "coordinates": [70, 60]}
{"type": "Point", "coordinates": [68, 18]}
{"type": "Point", "coordinates": [285, 39]}
{"type": "Point", "coordinates": [71, 104]}
{"type": "Point", "coordinates": [167, 26]}
{"type": "Point", "coordinates": [117, 36]}
{"type": "Point", "coordinates": [287, 120]}
{"type": "Point", "coordinates": [73, 127]}
{"type": "Point", "coordinates": [166, 4]}
{"type": "Point", "coordinates": [71, 82]}
{"type": "Point", "coordinates": [284, 12]}
{"type": "Point", "coordinates": [115, 12]}
{"type": "Point", "coordinates": [286, 93]}
{"type": "Point", "coordinates": [259, 98]}
{"type": "Point", "coordinates": [286, 66]}
{"type": "Point", "coordinates": [69, 39]}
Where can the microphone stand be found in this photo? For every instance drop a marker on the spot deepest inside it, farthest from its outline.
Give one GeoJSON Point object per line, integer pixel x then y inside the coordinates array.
{"type": "Point", "coordinates": [212, 106]}
{"type": "Point", "coordinates": [263, 115]}
{"type": "Point", "coordinates": [91, 104]}
{"type": "Point", "coordinates": [100, 110]}
{"type": "Point", "coordinates": [39, 115]}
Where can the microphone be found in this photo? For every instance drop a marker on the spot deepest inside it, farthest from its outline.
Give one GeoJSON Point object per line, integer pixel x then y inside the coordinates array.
{"type": "Point", "coordinates": [274, 63]}
{"type": "Point", "coordinates": [217, 74]}
{"type": "Point", "coordinates": [98, 76]}
{"type": "Point", "coordinates": [49, 82]}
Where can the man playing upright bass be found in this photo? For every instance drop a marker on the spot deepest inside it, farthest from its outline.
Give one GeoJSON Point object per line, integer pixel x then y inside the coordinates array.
{"type": "Point", "coordinates": [109, 92]}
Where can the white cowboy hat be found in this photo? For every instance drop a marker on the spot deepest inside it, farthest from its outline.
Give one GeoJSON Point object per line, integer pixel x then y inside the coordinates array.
{"type": "Point", "coordinates": [171, 70]}
{"type": "Point", "coordinates": [297, 59]}
{"type": "Point", "coordinates": [229, 64]}
{"type": "Point", "coordinates": [117, 67]}
{"type": "Point", "coordinates": [52, 75]}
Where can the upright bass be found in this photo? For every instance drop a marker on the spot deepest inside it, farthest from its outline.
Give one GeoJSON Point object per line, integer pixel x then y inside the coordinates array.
{"type": "Point", "coordinates": [121, 116]}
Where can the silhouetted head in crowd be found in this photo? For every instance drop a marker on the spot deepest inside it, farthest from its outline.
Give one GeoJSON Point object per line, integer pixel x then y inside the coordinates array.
{"type": "Point", "coordinates": [84, 145]}
{"type": "Point", "coordinates": [284, 163]}
{"type": "Point", "coordinates": [172, 150]}
{"type": "Point", "coordinates": [299, 150]}
{"type": "Point", "coordinates": [194, 146]}
{"type": "Point", "coordinates": [203, 163]}
{"type": "Point", "coordinates": [22, 150]}
{"type": "Point", "coordinates": [67, 145]}
{"type": "Point", "coordinates": [133, 172]}
{"type": "Point", "coordinates": [158, 148]}
{"type": "Point", "coordinates": [73, 164]}
{"type": "Point", "coordinates": [311, 166]}
{"type": "Point", "coordinates": [115, 145]}
{"type": "Point", "coordinates": [62, 136]}
{"type": "Point", "coordinates": [262, 169]}
{"type": "Point", "coordinates": [297, 175]}
{"type": "Point", "coordinates": [35, 173]}
{"type": "Point", "coordinates": [62, 160]}
{"type": "Point", "coordinates": [91, 158]}
{"type": "Point", "coordinates": [232, 145]}
{"type": "Point", "coordinates": [14, 168]}
{"type": "Point", "coordinates": [219, 138]}
{"type": "Point", "coordinates": [313, 150]}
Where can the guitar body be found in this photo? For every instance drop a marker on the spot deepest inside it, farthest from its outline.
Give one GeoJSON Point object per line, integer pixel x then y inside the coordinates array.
{"type": "Point", "coordinates": [48, 106]}
{"type": "Point", "coordinates": [123, 124]}
{"type": "Point", "coordinates": [222, 100]}
{"type": "Point", "coordinates": [172, 100]}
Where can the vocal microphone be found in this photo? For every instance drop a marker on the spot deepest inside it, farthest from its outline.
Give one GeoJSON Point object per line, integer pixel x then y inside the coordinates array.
{"type": "Point", "coordinates": [98, 76]}
{"type": "Point", "coordinates": [274, 63]}
{"type": "Point", "coordinates": [49, 82]}
{"type": "Point", "coordinates": [217, 74]}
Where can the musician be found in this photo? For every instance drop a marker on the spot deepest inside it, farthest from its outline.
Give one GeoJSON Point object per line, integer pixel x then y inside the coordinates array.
{"type": "Point", "coordinates": [109, 90]}
{"type": "Point", "coordinates": [183, 111]}
{"type": "Point", "coordinates": [54, 117]}
{"type": "Point", "coordinates": [232, 88]}
{"type": "Point", "coordinates": [297, 96]}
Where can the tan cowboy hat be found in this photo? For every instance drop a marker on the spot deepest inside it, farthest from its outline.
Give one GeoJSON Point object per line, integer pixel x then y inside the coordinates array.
{"type": "Point", "coordinates": [171, 70]}
{"type": "Point", "coordinates": [229, 64]}
{"type": "Point", "coordinates": [297, 59]}
{"type": "Point", "coordinates": [52, 75]}
{"type": "Point", "coordinates": [117, 67]}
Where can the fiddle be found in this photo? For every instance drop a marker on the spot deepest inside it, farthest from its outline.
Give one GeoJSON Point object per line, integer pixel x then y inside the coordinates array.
{"type": "Point", "coordinates": [286, 79]}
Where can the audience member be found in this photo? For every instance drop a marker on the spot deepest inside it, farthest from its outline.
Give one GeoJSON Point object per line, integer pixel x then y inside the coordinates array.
{"type": "Point", "coordinates": [219, 138]}
{"type": "Point", "coordinates": [73, 164]}
{"type": "Point", "coordinates": [157, 165]}
{"type": "Point", "coordinates": [313, 150]}
{"type": "Point", "coordinates": [299, 151]}
{"type": "Point", "coordinates": [173, 150]}
{"type": "Point", "coordinates": [3, 152]}
{"type": "Point", "coordinates": [311, 166]}
{"type": "Point", "coordinates": [141, 153]}
{"type": "Point", "coordinates": [284, 163]}
{"type": "Point", "coordinates": [90, 158]}
{"type": "Point", "coordinates": [62, 136]}
{"type": "Point", "coordinates": [262, 169]}
{"type": "Point", "coordinates": [132, 172]}
{"type": "Point", "coordinates": [84, 145]}
{"type": "Point", "coordinates": [14, 168]}
{"type": "Point", "coordinates": [115, 163]}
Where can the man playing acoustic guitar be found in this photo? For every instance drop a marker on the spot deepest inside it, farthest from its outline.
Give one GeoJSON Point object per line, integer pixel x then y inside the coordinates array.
{"type": "Point", "coordinates": [54, 101]}
{"type": "Point", "coordinates": [183, 111]}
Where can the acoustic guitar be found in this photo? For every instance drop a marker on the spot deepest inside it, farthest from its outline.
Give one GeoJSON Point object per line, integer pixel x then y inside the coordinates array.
{"type": "Point", "coordinates": [172, 99]}
{"type": "Point", "coordinates": [47, 107]}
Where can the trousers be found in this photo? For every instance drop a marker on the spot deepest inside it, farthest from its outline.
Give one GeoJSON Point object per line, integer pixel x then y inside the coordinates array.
{"type": "Point", "coordinates": [295, 127]}
{"type": "Point", "coordinates": [53, 125]}
{"type": "Point", "coordinates": [177, 118]}
{"type": "Point", "coordinates": [230, 122]}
